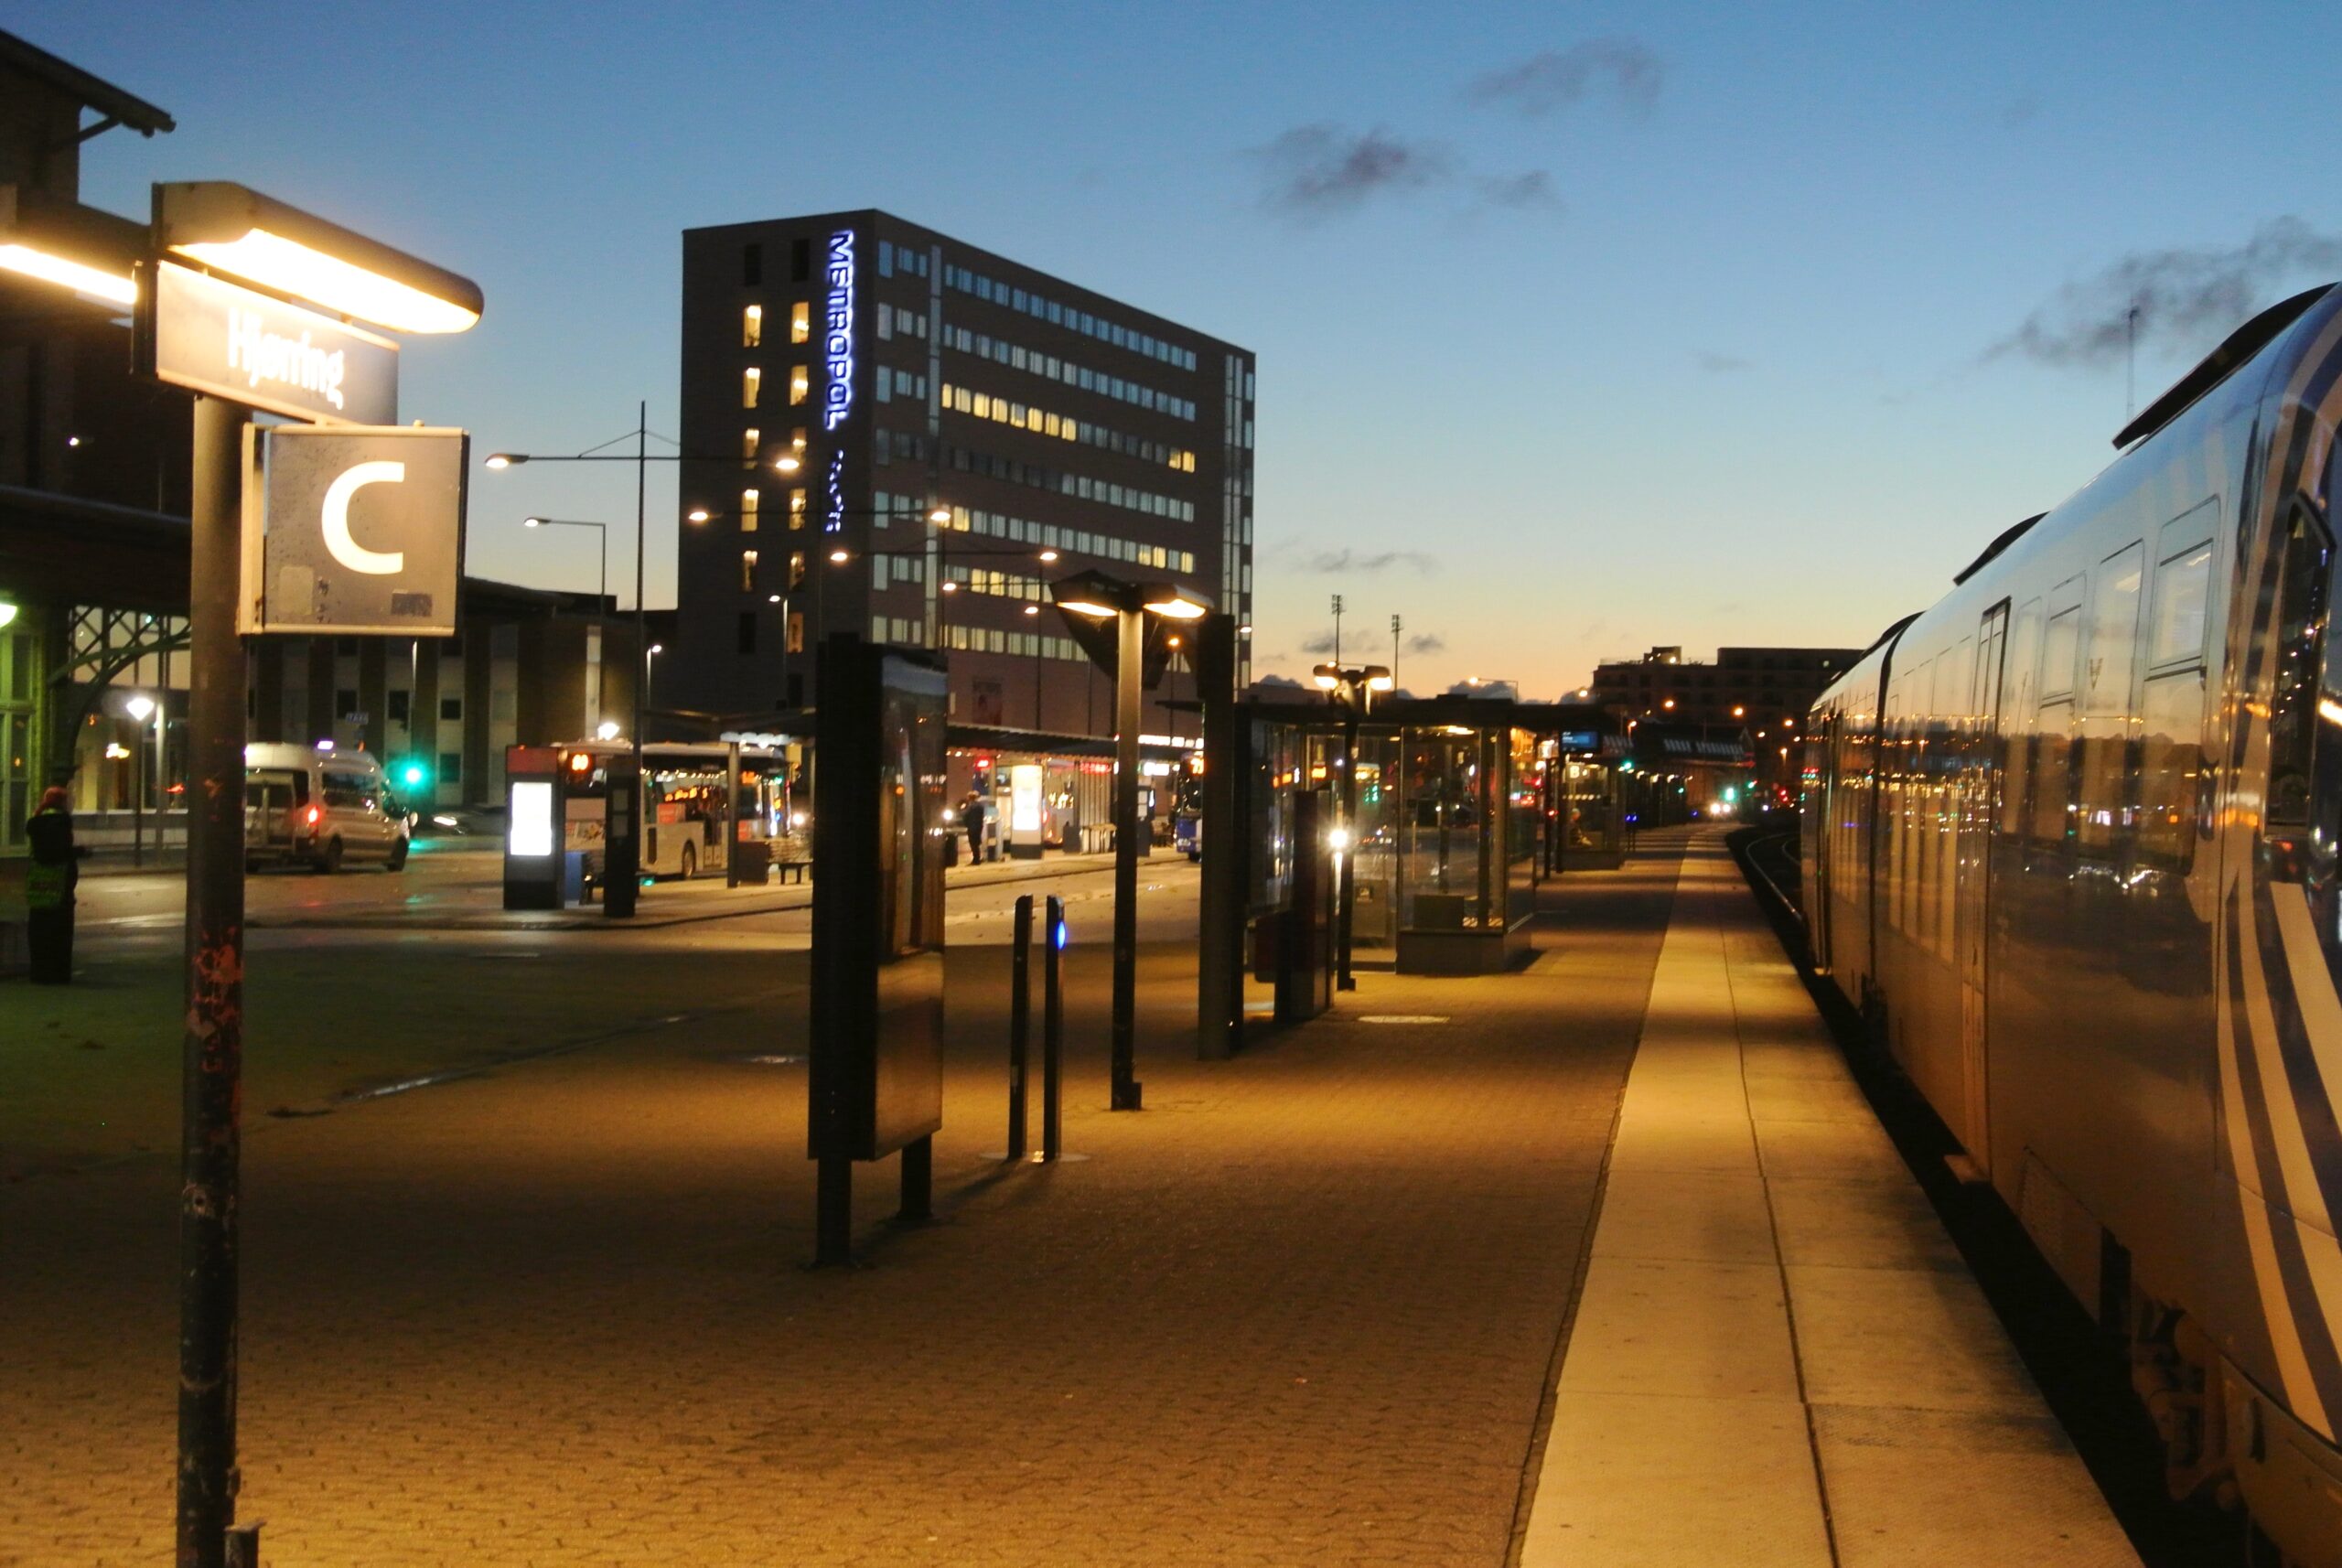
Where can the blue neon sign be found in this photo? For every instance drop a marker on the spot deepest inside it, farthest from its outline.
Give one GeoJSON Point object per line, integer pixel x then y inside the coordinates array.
{"type": "Point", "coordinates": [837, 354]}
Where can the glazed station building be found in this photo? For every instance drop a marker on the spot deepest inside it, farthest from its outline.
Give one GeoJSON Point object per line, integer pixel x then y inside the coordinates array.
{"type": "Point", "coordinates": [892, 433]}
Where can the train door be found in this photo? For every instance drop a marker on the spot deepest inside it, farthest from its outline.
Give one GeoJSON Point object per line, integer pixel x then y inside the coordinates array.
{"type": "Point", "coordinates": [1979, 795]}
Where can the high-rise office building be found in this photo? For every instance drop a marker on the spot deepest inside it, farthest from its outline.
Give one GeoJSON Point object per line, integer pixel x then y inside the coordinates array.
{"type": "Point", "coordinates": [893, 433]}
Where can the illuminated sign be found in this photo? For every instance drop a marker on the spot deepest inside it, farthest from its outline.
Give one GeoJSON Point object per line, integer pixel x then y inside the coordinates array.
{"type": "Point", "coordinates": [837, 358]}
{"type": "Point", "coordinates": [233, 343]}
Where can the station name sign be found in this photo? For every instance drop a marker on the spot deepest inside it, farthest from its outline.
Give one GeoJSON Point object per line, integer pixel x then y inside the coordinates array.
{"type": "Point", "coordinates": [245, 347]}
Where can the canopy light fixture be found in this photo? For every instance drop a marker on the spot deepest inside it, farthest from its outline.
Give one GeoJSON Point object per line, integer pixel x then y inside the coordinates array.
{"type": "Point", "coordinates": [1090, 607]}
{"type": "Point", "coordinates": [70, 246]}
{"type": "Point", "coordinates": [1178, 609]}
{"type": "Point", "coordinates": [82, 278]}
{"type": "Point", "coordinates": [234, 229]}
{"type": "Point", "coordinates": [506, 459]}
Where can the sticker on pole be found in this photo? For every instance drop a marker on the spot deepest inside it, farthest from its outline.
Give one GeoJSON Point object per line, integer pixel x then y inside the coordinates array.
{"type": "Point", "coordinates": [353, 530]}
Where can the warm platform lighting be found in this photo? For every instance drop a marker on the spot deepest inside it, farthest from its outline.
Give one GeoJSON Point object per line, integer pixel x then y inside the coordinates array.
{"type": "Point", "coordinates": [234, 229]}
{"type": "Point", "coordinates": [96, 282]}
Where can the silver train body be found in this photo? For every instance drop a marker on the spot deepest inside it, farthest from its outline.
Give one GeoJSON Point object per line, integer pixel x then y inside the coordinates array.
{"type": "Point", "coordinates": [2073, 843]}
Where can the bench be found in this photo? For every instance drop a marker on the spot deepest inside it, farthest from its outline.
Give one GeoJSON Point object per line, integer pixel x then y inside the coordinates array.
{"type": "Point", "coordinates": [791, 870]}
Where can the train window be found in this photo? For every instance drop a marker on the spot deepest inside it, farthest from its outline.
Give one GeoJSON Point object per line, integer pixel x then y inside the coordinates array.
{"type": "Point", "coordinates": [2293, 698]}
{"type": "Point", "coordinates": [2114, 632]}
{"type": "Point", "coordinates": [2102, 762]}
{"type": "Point", "coordinates": [2183, 590]}
{"type": "Point", "coordinates": [2024, 642]}
{"type": "Point", "coordinates": [2062, 644]}
{"type": "Point", "coordinates": [2171, 768]}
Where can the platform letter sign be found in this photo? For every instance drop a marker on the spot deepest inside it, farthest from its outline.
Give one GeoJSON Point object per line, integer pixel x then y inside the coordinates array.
{"type": "Point", "coordinates": [354, 532]}
{"type": "Point", "coordinates": [245, 347]}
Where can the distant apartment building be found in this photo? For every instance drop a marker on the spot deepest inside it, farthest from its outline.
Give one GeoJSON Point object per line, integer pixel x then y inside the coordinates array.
{"type": "Point", "coordinates": [890, 432]}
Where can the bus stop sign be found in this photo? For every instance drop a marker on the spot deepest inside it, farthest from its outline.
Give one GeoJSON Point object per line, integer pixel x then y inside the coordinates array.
{"type": "Point", "coordinates": [352, 530]}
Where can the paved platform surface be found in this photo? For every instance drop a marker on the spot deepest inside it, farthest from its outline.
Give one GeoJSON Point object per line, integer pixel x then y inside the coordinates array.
{"type": "Point", "coordinates": [1303, 1309]}
{"type": "Point", "coordinates": [1779, 1358]}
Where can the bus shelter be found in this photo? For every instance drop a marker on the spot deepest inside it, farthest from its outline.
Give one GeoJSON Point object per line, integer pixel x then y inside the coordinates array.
{"type": "Point", "coordinates": [1457, 809]}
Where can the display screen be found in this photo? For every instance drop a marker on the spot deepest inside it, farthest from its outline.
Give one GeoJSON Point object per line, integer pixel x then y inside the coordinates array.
{"type": "Point", "coordinates": [533, 829]}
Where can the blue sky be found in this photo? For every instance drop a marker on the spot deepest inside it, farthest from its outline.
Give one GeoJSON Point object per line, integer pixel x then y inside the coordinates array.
{"type": "Point", "coordinates": [1580, 328]}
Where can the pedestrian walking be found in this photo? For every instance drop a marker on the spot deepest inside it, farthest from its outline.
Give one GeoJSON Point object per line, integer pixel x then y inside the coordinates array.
{"type": "Point", "coordinates": [48, 888]}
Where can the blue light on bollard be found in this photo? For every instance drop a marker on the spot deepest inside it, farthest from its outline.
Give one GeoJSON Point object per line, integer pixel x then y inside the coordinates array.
{"type": "Point", "coordinates": [1062, 936]}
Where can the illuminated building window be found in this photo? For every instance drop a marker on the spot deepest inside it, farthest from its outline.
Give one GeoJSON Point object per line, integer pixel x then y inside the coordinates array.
{"type": "Point", "coordinates": [748, 512]}
{"type": "Point", "coordinates": [747, 571]}
{"type": "Point", "coordinates": [749, 440]}
{"type": "Point", "coordinates": [797, 568]}
{"type": "Point", "coordinates": [750, 380]}
{"type": "Point", "coordinates": [796, 637]}
{"type": "Point", "coordinates": [800, 384]}
{"type": "Point", "coordinates": [752, 327]}
{"type": "Point", "coordinates": [1064, 427]}
{"type": "Point", "coordinates": [797, 509]}
{"type": "Point", "coordinates": [801, 322]}
{"type": "Point", "coordinates": [797, 440]}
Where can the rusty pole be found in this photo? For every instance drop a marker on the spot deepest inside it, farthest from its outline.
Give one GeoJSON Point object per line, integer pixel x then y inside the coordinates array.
{"type": "Point", "coordinates": [212, 1053]}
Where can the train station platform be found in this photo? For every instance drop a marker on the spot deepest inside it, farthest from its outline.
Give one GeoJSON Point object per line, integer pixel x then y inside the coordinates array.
{"type": "Point", "coordinates": [1599, 1262]}
{"type": "Point", "coordinates": [1778, 1357]}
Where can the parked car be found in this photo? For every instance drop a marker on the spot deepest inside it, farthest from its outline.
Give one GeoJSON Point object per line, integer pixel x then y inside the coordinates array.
{"type": "Point", "coordinates": [321, 807]}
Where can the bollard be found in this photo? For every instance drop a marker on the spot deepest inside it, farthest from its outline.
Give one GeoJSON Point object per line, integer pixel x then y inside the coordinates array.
{"type": "Point", "coordinates": [1020, 1023]}
{"type": "Point", "coordinates": [1052, 1029]}
{"type": "Point", "coordinates": [243, 1545]}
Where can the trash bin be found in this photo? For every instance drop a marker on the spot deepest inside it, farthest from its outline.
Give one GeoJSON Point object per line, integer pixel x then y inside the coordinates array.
{"type": "Point", "coordinates": [751, 861]}
{"type": "Point", "coordinates": [951, 846]}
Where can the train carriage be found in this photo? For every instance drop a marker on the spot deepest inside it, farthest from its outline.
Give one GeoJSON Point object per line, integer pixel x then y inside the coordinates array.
{"type": "Point", "coordinates": [2072, 838]}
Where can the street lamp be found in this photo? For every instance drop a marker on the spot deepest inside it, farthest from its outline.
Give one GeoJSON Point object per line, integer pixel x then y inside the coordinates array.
{"type": "Point", "coordinates": [140, 707]}
{"type": "Point", "coordinates": [1355, 690]}
{"type": "Point", "coordinates": [1095, 597]}
{"type": "Point", "coordinates": [601, 595]}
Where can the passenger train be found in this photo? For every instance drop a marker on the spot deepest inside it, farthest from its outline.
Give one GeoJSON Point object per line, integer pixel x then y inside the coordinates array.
{"type": "Point", "coordinates": [2073, 844]}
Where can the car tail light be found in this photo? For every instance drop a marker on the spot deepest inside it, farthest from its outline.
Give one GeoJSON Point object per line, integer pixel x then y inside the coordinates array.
{"type": "Point", "coordinates": [313, 816]}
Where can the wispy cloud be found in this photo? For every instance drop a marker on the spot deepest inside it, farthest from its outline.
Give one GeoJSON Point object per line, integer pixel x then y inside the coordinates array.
{"type": "Point", "coordinates": [1531, 190]}
{"type": "Point", "coordinates": [1318, 642]}
{"type": "Point", "coordinates": [1334, 561]}
{"type": "Point", "coordinates": [1317, 171]}
{"type": "Point", "coordinates": [1555, 79]}
{"type": "Point", "coordinates": [1723, 364]}
{"type": "Point", "coordinates": [1426, 642]}
{"type": "Point", "coordinates": [2187, 299]}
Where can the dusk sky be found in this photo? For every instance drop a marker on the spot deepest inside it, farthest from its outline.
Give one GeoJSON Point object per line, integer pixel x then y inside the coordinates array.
{"type": "Point", "coordinates": [1580, 327]}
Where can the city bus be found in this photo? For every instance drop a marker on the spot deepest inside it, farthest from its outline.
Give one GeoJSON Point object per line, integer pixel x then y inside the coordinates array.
{"type": "Point", "coordinates": [689, 829]}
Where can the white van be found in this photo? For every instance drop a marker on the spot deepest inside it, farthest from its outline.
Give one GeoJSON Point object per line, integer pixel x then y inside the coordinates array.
{"type": "Point", "coordinates": [319, 807]}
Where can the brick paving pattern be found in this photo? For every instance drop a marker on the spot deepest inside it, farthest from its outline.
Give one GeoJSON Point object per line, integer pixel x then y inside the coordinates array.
{"type": "Point", "coordinates": [1303, 1309]}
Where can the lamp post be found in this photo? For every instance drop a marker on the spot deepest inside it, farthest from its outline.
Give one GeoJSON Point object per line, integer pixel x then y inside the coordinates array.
{"type": "Point", "coordinates": [140, 708]}
{"type": "Point", "coordinates": [1094, 598]}
{"type": "Point", "coordinates": [621, 878]}
{"type": "Point", "coordinates": [1354, 690]}
{"type": "Point", "coordinates": [601, 595]}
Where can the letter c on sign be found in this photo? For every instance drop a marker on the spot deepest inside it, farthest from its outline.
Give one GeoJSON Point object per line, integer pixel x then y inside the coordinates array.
{"type": "Point", "coordinates": [346, 549]}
